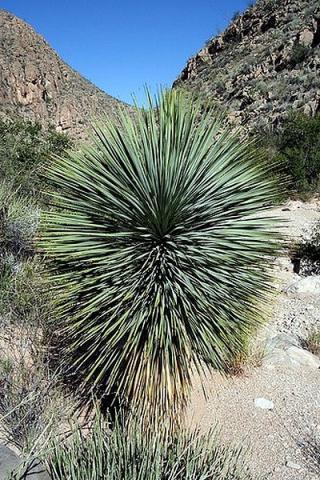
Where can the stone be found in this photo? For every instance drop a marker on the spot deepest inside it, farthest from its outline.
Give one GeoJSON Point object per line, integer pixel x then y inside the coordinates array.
{"type": "Point", "coordinates": [9, 461]}
{"type": "Point", "coordinates": [305, 286]}
{"type": "Point", "coordinates": [263, 403]}
{"type": "Point", "coordinates": [301, 357]}
{"type": "Point", "coordinates": [285, 349]}
{"type": "Point", "coordinates": [294, 466]}
{"type": "Point", "coordinates": [306, 37]}
{"type": "Point", "coordinates": [281, 341]}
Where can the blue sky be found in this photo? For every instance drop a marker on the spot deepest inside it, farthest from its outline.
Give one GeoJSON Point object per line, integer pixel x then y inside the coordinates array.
{"type": "Point", "coordinates": [122, 45]}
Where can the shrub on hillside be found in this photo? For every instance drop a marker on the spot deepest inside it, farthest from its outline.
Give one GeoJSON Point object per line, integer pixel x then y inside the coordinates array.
{"type": "Point", "coordinates": [295, 147]}
{"type": "Point", "coordinates": [299, 54]}
{"type": "Point", "coordinates": [25, 147]}
{"type": "Point", "coordinates": [161, 249]}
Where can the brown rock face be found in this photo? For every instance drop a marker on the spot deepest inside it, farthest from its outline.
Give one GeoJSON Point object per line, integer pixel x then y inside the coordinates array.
{"type": "Point", "coordinates": [264, 64]}
{"type": "Point", "coordinates": [37, 85]}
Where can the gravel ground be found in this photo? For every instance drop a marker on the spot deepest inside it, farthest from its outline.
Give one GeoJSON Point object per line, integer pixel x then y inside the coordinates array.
{"type": "Point", "coordinates": [275, 437]}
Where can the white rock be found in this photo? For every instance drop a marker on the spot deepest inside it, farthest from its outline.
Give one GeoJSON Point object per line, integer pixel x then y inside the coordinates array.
{"type": "Point", "coordinates": [263, 403]}
{"type": "Point", "coordinates": [281, 341]}
{"type": "Point", "coordinates": [306, 286]}
{"type": "Point", "coordinates": [302, 357]}
{"type": "Point", "coordinates": [293, 465]}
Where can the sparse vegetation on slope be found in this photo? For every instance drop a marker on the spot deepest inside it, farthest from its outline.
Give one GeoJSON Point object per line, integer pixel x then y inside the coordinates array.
{"type": "Point", "coordinates": [263, 64]}
{"type": "Point", "coordinates": [25, 148]}
{"type": "Point", "coordinates": [27, 386]}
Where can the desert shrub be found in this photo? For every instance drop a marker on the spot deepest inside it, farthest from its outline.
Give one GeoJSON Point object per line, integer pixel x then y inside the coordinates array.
{"type": "Point", "coordinates": [312, 342]}
{"type": "Point", "coordinates": [161, 248]}
{"type": "Point", "coordinates": [25, 147]}
{"type": "Point", "coordinates": [269, 5]}
{"type": "Point", "coordinates": [22, 293]}
{"type": "Point", "coordinates": [133, 453]}
{"type": "Point", "coordinates": [295, 147]}
{"type": "Point", "coordinates": [299, 54]}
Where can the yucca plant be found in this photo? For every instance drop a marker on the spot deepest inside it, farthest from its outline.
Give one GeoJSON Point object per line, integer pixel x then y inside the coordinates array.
{"type": "Point", "coordinates": [160, 247]}
{"type": "Point", "coordinates": [135, 454]}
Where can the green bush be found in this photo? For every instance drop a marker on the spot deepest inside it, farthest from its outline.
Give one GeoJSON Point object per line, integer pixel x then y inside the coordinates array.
{"type": "Point", "coordinates": [133, 454]}
{"type": "Point", "coordinates": [161, 247]}
{"type": "Point", "coordinates": [295, 147]}
{"type": "Point", "coordinates": [299, 54]}
{"type": "Point", "coordinates": [25, 147]}
{"type": "Point", "coordinates": [24, 150]}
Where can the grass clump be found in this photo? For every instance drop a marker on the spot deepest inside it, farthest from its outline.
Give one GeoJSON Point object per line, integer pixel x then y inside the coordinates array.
{"type": "Point", "coordinates": [312, 342]}
{"type": "Point", "coordinates": [30, 400]}
{"type": "Point", "coordinates": [131, 453]}
{"type": "Point", "coordinates": [19, 218]}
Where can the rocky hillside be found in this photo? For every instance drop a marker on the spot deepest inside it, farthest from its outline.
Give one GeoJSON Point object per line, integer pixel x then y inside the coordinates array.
{"type": "Point", "coordinates": [36, 84]}
{"type": "Point", "coordinates": [266, 62]}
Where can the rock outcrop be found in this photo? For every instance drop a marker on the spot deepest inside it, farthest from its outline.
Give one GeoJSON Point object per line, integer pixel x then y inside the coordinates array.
{"type": "Point", "coordinates": [265, 63]}
{"type": "Point", "coordinates": [37, 85]}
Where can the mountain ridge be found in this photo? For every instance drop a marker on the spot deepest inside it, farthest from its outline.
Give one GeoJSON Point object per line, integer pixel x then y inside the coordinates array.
{"type": "Point", "coordinates": [36, 84]}
{"type": "Point", "coordinates": [265, 63]}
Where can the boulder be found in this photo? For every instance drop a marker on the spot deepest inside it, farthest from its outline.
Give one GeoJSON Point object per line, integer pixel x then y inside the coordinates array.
{"type": "Point", "coordinates": [9, 461]}
{"type": "Point", "coordinates": [306, 37]}
{"type": "Point", "coordinates": [305, 286]}
{"type": "Point", "coordinates": [284, 349]}
{"type": "Point", "coordinates": [301, 357]}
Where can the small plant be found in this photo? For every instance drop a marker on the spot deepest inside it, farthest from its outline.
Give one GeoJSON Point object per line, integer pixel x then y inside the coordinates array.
{"type": "Point", "coordinates": [29, 398]}
{"type": "Point", "coordinates": [132, 453]}
{"type": "Point", "coordinates": [312, 342]}
{"type": "Point", "coordinates": [299, 54]}
{"type": "Point", "coordinates": [310, 448]}
{"type": "Point", "coordinates": [18, 224]}
{"type": "Point", "coordinates": [161, 249]}
{"type": "Point", "coordinates": [251, 356]}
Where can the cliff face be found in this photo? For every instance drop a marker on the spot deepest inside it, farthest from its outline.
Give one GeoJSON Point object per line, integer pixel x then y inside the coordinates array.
{"type": "Point", "coordinates": [37, 85]}
{"type": "Point", "coordinates": [265, 63]}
